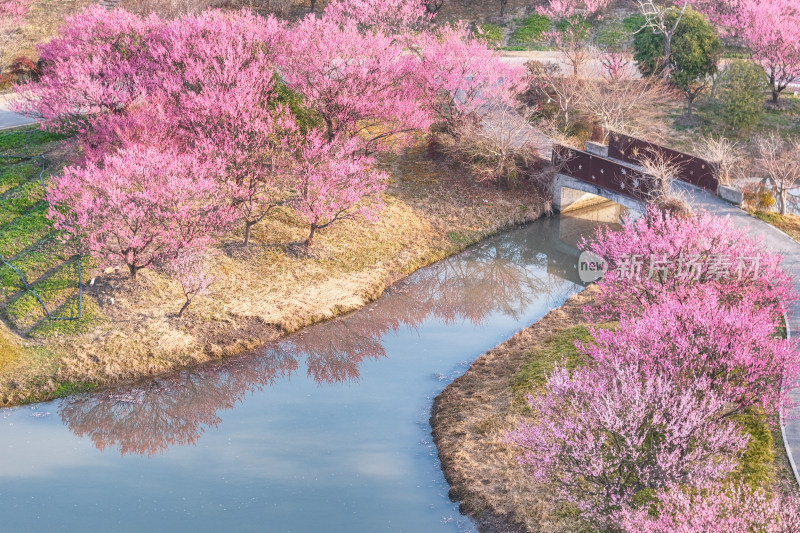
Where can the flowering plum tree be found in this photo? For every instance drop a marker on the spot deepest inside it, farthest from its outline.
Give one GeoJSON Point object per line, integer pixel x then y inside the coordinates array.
{"type": "Point", "coordinates": [661, 254]}
{"type": "Point", "coordinates": [335, 182]}
{"type": "Point", "coordinates": [189, 267]}
{"type": "Point", "coordinates": [12, 15]}
{"type": "Point", "coordinates": [462, 77]}
{"type": "Point", "coordinates": [98, 63]}
{"type": "Point", "coordinates": [769, 28]}
{"type": "Point", "coordinates": [604, 435]}
{"type": "Point", "coordinates": [732, 347]}
{"type": "Point", "coordinates": [716, 510]}
{"type": "Point", "coordinates": [226, 104]}
{"type": "Point", "coordinates": [139, 206]}
{"type": "Point", "coordinates": [390, 16]}
{"type": "Point", "coordinates": [360, 82]}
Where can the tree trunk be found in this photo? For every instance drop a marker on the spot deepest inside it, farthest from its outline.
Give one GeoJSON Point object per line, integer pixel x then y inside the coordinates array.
{"type": "Point", "coordinates": [310, 239]}
{"type": "Point", "coordinates": [313, 5]}
{"type": "Point", "coordinates": [775, 95]}
{"type": "Point", "coordinates": [503, 7]}
{"type": "Point", "coordinates": [133, 270]}
{"type": "Point", "coordinates": [689, 108]}
{"type": "Point", "coordinates": [248, 225]}
{"type": "Point", "coordinates": [188, 301]}
{"type": "Point", "coordinates": [667, 54]}
{"type": "Point", "coordinates": [784, 200]}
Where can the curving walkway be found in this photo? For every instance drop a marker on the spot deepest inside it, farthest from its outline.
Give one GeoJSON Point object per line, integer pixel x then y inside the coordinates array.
{"type": "Point", "coordinates": [778, 241]}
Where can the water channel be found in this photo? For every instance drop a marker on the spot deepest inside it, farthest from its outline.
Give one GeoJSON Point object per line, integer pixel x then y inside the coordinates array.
{"type": "Point", "coordinates": [326, 430]}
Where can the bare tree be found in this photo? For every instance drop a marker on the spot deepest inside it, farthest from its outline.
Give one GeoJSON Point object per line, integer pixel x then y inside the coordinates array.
{"type": "Point", "coordinates": [779, 160]}
{"type": "Point", "coordinates": [563, 90]}
{"type": "Point", "coordinates": [726, 154]}
{"type": "Point", "coordinates": [500, 148]}
{"type": "Point", "coordinates": [657, 19]}
{"type": "Point", "coordinates": [623, 103]}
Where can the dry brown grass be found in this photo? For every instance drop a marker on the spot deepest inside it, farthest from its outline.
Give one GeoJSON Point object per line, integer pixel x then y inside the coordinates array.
{"type": "Point", "coordinates": [268, 288]}
{"type": "Point", "coordinates": [470, 419]}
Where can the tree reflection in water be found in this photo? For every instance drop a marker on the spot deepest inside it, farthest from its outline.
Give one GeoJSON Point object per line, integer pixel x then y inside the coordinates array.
{"type": "Point", "coordinates": [505, 275]}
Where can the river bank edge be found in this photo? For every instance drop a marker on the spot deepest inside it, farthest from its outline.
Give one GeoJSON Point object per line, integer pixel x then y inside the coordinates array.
{"type": "Point", "coordinates": [45, 388]}
{"type": "Point", "coordinates": [482, 472]}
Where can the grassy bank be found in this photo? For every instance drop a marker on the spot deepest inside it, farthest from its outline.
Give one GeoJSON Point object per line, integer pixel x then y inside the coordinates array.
{"type": "Point", "coordinates": [129, 328]}
{"type": "Point", "coordinates": [472, 415]}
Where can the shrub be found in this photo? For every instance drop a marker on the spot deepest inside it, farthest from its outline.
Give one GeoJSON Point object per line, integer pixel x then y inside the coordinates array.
{"type": "Point", "coordinates": [533, 29]}
{"type": "Point", "coordinates": [742, 94]}
{"type": "Point", "coordinates": [608, 437]}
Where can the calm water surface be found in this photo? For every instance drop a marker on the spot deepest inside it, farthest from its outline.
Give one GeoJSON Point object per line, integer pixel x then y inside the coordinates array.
{"type": "Point", "coordinates": [323, 431]}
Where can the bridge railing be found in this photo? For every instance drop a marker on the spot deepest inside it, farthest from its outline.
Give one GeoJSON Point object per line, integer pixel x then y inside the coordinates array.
{"type": "Point", "coordinates": [691, 169]}
{"type": "Point", "coordinates": [611, 175]}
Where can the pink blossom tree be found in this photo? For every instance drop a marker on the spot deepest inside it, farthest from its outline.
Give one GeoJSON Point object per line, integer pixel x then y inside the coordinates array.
{"type": "Point", "coordinates": [335, 181]}
{"type": "Point", "coordinates": [190, 268]}
{"type": "Point", "coordinates": [390, 16]}
{"type": "Point", "coordinates": [718, 509]}
{"type": "Point", "coordinates": [662, 254]}
{"type": "Point", "coordinates": [733, 348]}
{"type": "Point", "coordinates": [462, 78]}
{"type": "Point", "coordinates": [359, 82]}
{"type": "Point", "coordinates": [226, 105]}
{"type": "Point", "coordinates": [604, 435]}
{"type": "Point", "coordinates": [770, 29]}
{"type": "Point", "coordinates": [12, 16]}
{"type": "Point", "coordinates": [99, 63]}
{"type": "Point", "coordinates": [139, 206]}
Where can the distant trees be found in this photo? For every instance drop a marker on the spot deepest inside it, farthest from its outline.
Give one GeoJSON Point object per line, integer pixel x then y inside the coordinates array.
{"type": "Point", "coordinates": [693, 52]}
{"type": "Point", "coordinates": [770, 29]}
{"type": "Point", "coordinates": [779, 161]}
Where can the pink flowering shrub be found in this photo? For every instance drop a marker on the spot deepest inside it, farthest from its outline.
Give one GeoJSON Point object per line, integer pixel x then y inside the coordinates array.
{"type": "Point", "coordinates": [734, 349]}
{"type": "Point", "coordinates": [660, 255]}
{"type": "Point", "coordinates": [716, 510]}
{"type": "Point", "coordinates": [602, 436]}
{"type": "Point", "coordinates": [139, 206]}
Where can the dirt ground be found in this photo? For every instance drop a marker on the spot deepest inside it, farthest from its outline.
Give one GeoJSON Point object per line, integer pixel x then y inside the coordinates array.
{"type": "Point", "coordinates": [469, 420]}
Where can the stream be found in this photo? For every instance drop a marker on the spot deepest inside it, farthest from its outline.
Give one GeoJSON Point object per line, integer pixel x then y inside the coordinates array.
{"type": "Point", "coordinates": [325, 430]}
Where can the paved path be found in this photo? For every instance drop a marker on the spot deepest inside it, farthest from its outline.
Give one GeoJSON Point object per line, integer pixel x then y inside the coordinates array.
{"type": "Point", "coordinates": [790, 249]}
{"type": "Point", "coordinates": [9, 119]}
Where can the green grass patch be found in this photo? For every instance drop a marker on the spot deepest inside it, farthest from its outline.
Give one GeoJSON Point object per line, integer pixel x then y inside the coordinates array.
{"type": "Point", "coordinates": [531, 30]}
{"type": "Point", "coordinates": [24, 231]}
{"type": "Point", "coordinates": [556, 351]}
{"type": "Point", "coordinates": [789, 223]}
{"type": "Point", "coordinates": [27, 140]}
{"type": "Point", "coordinates": [19, 200]}
{"type": "Point", "coordinates": [491, 33]}
{"type": "Point", "coordinates": [54, 290]}
{"type": "Point", "coordinates": [89, 319]}
{"type": "Point", "coordinates": [14, 172]}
